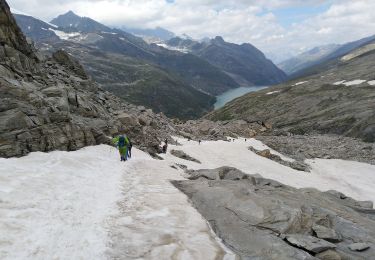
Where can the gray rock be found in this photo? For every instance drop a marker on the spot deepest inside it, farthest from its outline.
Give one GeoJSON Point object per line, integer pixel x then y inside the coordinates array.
{"type": "Point", "coordinates": [328, 255]}
{"type": "Point", "coordinates": [359, 246]}
{"type": "Point", "coordinates": [183, 155]}
{"type": "Point", "coordinates": [297, 165]}
{"type": "Point", "coordinates": [309, 243]}
{"type": "Point", "coordinates": [365, 204]}
{"type": "Point", "coordinates": [326, 233]}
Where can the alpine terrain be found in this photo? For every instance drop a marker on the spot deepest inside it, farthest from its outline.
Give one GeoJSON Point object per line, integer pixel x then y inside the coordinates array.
{"type": "Point", "coordinates": [95, 165]}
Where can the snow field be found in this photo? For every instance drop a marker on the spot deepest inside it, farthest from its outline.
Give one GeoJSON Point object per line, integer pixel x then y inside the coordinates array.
{"type": "Point", "coordinates": [89, 205]}
{"type": "Point", "coordinates": [54, 205]}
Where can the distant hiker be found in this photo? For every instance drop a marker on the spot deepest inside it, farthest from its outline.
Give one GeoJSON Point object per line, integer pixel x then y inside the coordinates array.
{"type": "Point", "coordinates": [199, 142]}
{"type": "Point", "coordinates": [165, 146]}
{"type": "Point", "coordinates": [130, 146]}
{"type": "Point", "coordinates": [245, 140]}
{"type": "Point", "coordinates": [122, 143]}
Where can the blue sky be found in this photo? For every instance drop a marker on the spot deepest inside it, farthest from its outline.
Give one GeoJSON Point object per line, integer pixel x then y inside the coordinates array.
{"type": "Point", "coordinates": [293, 15]}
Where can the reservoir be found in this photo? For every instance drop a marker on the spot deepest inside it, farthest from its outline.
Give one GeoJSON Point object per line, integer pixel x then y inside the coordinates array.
{"type": "Point", "coordinates": [235, 93]}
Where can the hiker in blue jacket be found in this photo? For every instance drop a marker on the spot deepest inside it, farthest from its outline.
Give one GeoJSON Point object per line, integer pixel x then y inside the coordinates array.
{"type": "Point", "coordinates": [122, 143]}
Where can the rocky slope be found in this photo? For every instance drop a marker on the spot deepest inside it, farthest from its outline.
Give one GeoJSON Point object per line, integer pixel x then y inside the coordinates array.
{"type": "Point", "coordinates": [259, 218]}
{"type": "Point", "coordinates": [336, 101]}
{"type": "Point", "coordinates": [50, 104]}
{"type": "Point", "coordinates": [244, 63]}
{"type": "Point", "coordinates": [301, 147]}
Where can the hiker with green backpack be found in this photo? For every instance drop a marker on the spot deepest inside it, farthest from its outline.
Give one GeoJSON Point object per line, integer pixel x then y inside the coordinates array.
{"type": "Point", "coordinates": [122, 143]}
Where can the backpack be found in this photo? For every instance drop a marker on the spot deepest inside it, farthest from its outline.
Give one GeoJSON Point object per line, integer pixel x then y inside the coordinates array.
{"type": "Point", "coordinates": [121, 141]}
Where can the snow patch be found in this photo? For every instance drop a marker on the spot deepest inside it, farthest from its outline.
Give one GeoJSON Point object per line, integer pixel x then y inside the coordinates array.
{"type": "Point", "coordinates": [273, 92]}
{"type": "Point", "coordinates": [113, 33]}
{"type": "Point", "coordinates": [166, 46]}
{"type": "Point", "coordinates": [371, 83]}
{"type": "Point", "coordinates": [299, 83]}
{"type": "Point", "coordinates": [339, 82]}
{"type": "Point", "coordinates": [65, 36]}
{"type": "Point", "coordinates": [354, 82]}
{"type": "Point", "coordinates": [349, 83]}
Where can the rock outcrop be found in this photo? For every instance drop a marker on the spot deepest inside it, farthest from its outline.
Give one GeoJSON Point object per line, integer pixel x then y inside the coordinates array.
{"type": "Point", "coordinates": [260, 218]}
{"type": "Point", "coordinates": [297, 165]}
{"type": "Point", "coordinates": [10, 33]}
{"type": "Point", "coordinates": [182, 155]}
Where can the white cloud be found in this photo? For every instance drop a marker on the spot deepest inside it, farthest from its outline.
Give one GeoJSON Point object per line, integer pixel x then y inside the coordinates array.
{"type": "Point", "coordinates": [236, 20]}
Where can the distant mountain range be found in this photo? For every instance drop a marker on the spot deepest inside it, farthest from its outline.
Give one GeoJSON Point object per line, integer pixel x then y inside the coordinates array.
{"type": "Point", "coordinates": [337, 97]}
{"type": "Point", "coordinates": [244, 63]}
{"type": "Point", "coordinates": [319, 59]}
{"type": "Point", "coordinates": [307, 59]}
{"type": "Point", "coordinates": [179, 83]}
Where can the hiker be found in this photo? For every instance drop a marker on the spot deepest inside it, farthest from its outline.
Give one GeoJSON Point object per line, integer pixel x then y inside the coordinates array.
{"type": "Point", "coordinates": [165, 146]}
{"type": "Point", "coordinates": [122, 143]}
{"type": "Point", "coordinates": [130, 146]}
{"type": "Point", "coordinates": [199, 142]}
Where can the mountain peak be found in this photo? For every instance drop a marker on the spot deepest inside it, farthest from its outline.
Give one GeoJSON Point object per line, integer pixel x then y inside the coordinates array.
{"type": "Point", "coordinates": [219, 39]}
{"type": "Point", "coordinates": [71, 14]}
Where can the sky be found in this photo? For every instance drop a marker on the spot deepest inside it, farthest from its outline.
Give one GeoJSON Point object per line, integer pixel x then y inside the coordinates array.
{"type": "Point", "coordinates": [280, 28]}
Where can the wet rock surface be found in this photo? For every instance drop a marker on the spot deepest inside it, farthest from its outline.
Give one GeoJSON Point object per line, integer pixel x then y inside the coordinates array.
{"type": "Point", "coordinates": [302, 147]}
{"type": "Point", "coordinates": [259, 218]}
